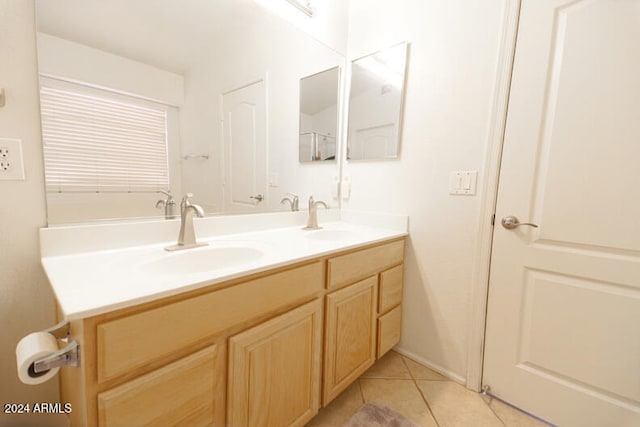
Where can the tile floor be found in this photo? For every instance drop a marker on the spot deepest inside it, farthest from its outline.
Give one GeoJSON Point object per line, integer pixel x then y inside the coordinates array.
{"type": "Point", "coordinates": [422, 395]}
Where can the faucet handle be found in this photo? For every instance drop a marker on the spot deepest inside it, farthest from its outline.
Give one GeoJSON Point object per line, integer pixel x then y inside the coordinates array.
{"type": "Point", "coordinates": [313, 204]}
{"type": "Point", "coordinates": [168, 194]}
{"type": "Point", "coordinates": [185, 199]}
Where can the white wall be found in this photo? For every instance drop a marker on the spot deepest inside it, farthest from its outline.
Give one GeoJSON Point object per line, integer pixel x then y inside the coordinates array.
{"type": "Point", "coordinates": [26, 301]}
{"type": "Point", "coordinates": [328, 24]}
{"type": "Point", "coordinates": [452, 69]}
{"type": "Point", "coordinates": [79, 63]}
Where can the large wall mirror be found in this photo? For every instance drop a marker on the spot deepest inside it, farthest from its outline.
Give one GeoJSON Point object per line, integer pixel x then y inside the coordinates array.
{"type": "Point", "coordinates": [216, 82]}
{"type": "Point", "coordinates": [319, 116]}
{"type": "Point", "coordinates": [375, 104]}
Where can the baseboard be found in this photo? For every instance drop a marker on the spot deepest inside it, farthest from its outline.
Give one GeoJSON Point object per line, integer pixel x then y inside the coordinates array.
{"type": "Point", "coordinates": [434, 366]}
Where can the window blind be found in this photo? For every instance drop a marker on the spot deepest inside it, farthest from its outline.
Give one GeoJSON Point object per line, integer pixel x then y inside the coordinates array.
{"type": "Point", "coordinates": [99, 144]}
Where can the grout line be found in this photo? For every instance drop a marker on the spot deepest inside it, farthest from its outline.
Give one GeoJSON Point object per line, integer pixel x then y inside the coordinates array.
{"type": "Point", "coordinates": [407, 366]}
{"type": "Point", "coordinates": [424, 398]}
{"type": "Point", "coordinates": [361, 392]}
{"type": "Point", "coordinates": [444, 377]}
{"type": "Point", "coordinates": [490, 399]}
{"type": "Point", "coordinates": [518, 410]}
{"type": "Point", "coordinates": [388, 379]}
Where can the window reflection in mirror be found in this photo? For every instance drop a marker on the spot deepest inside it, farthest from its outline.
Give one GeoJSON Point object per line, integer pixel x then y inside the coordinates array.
{"type": "Point", "coordinates": [375, 104]}
{"type": "Point", "coordinates": [319, 116]}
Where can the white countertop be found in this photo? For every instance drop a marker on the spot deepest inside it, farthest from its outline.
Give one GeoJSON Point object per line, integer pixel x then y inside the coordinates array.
{"type": "Point", "coordinates": [91, 277]}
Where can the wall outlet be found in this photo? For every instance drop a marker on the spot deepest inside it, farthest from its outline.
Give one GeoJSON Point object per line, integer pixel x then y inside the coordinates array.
{"type": "Point", "coordinates": [11, 163]}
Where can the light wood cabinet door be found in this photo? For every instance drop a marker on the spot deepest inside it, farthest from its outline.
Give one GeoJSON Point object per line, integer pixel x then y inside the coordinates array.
{"type": "Point", "coordinates": [274, 370]}
{"type": "Point", "coordinates": [182, 393]}
{"type": "Point", "coordinates": [350, 335]}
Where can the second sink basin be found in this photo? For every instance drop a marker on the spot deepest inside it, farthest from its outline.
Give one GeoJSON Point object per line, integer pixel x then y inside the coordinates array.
{"type": "Point", "coordinates": [198, 260]}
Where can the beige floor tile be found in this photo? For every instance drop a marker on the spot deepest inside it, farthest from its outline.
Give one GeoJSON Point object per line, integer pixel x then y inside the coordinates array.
{"type": "Point", "coordinates": [455, 406]}
{"type": "Point", "coordinates": [340, 409]}
{"type": "Point", "coordinates": [400, 395]}
{"type": "Point", "coordinates": [510, 416]}
{"type": "Point", "coordinates": [420, 372]}
{"type": "Point", "coordinates": [390, 365]}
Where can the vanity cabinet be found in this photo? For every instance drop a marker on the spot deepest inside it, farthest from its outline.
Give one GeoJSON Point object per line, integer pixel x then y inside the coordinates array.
{"type": "Point", "coordinates": [262, 350]}
{"type": "Point", "coordinates": [357, 328]}
{"type": "Point", "coordinates": [274, 370]}
{"type": "Point", "coordinates": [166, 362]}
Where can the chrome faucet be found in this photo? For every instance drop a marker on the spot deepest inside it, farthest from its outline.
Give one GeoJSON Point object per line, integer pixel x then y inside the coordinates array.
{"type": "Point", "coordinates": [293, 201]}
{"type": "Point", "coordinates": [187, 236]}
{"type": "Point", "coordinates": [169, 205]}
{"type": "Point", "coordinates": [312, 221]}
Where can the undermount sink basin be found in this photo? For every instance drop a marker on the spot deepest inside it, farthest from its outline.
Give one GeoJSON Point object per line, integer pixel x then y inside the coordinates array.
{"type": "Point", "coordinates": [198, 260]}
{"type": "Point", "coordinates": [331, 235]}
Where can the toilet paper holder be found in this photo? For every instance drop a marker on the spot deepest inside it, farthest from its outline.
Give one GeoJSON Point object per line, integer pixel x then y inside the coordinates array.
{"type": "Point", "coordinates": [67, 356]}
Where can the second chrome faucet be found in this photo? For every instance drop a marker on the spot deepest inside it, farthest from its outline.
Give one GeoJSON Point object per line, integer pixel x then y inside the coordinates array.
{"type": "Point", "coordinates": [293, 201]}
{"type": "Point", "coordinates": [187, 236]}
{"type": "Point", "coordinates": [312, 221]}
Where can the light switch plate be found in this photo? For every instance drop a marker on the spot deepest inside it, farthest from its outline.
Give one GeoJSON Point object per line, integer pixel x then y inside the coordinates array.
{"type": "Point", "coordinates": [345, 187]}
{"type": "Point", "coordinates": [11, 163]}
{"type": "Point", "coordinates": [274, 180]}
{"type": "Point", "coordinates": [463, 183]}
{"type": "Point", "coordinates": [335, 186]}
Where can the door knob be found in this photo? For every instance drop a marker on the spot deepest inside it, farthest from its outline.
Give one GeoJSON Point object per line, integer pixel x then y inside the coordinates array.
{"type": "Point", "coordinates": [258, 197]}
{"type": "Point", "coordinates": [510, 222]}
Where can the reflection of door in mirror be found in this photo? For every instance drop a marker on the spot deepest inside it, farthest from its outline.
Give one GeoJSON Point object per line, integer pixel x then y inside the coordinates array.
{"type": "Point", "coordinates": [375, 104]}
{"type": "Point", "coordinates": [245, 148]}
{"type": "Point", "coordinates": [319, 116]}
{"type": "Point", "coordinates": [373, 143]}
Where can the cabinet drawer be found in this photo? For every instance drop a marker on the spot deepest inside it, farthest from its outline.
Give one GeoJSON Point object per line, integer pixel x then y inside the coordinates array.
{"type": "Point", "coordinates": [389, 327]}
{"type": "Point", "coordinates": [182, 393]}
{"type": "Point", "coordinates": [349, 268]}
{"type": "Point", "coordinates": [390, 288]}
{"type": "Point", "coordinates": [131, 342]}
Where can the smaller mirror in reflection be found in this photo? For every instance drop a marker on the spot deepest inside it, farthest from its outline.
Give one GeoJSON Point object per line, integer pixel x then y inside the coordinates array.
{"type": "Point", "coordinates": [319, 116]}
{"type": "Point", "coordinates": [375, 104]}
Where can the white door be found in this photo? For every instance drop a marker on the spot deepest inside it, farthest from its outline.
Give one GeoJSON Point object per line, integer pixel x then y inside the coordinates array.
{"type": "Point", "coordinates": [245, 148]}
{"type": "Point", "coordinates": [563, 321]}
